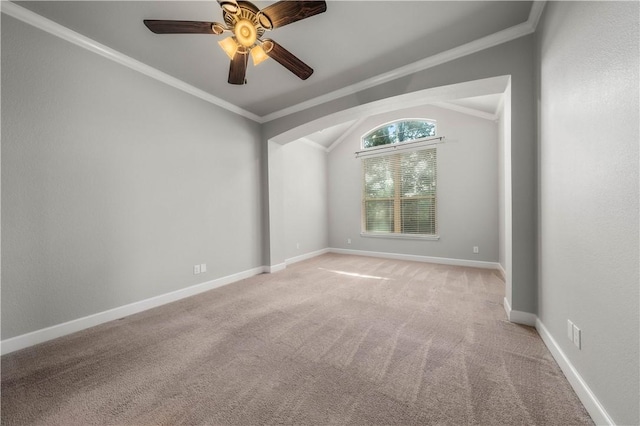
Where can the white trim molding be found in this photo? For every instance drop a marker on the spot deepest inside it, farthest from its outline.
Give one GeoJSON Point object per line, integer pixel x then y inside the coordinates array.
{"type": "Point", "coordinates": [502, 271]}
{"type": "Point", "coordinates": [305, 256]}
{"type": "Point", "coordinates": [418, 258]}
{"type": "Point", "coordinates": [472, 47]}
{"type": "Point", "coordinates": [535, 13]}
{"type": "Point", "coordinates": [586, 396]}
{"type": "Point", "coordinates": [39, 336]}
{"type": "Point", "coordinates": [275, 268]}
{"type": "Point", "coordinates": [518, 317]}
{"type": "Point", "coordinates": [78, 39]}
{"type": "Point", "coordinates": [591, 403]}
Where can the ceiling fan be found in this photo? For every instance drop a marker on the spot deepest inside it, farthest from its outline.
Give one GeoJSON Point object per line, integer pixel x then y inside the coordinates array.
{"type": "Point", "coordinates": [247, 25]}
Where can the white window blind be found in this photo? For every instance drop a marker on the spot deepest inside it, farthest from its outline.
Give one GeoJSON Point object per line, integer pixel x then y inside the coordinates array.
{"type": "Point", "coordinates": [399, 193]}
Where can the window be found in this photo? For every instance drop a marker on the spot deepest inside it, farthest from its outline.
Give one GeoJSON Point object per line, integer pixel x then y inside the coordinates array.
{"type": "Point", "coordinates": [398, 132]}
{"type": "Point", "coordinates": [399, 186]}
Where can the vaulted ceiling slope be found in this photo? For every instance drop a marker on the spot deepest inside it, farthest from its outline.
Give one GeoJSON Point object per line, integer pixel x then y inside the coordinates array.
{"type": "Point", "coordinates": [354, 43]}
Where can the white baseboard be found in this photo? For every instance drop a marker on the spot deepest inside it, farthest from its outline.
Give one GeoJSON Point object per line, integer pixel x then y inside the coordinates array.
{"type": "Point", "coordinates": [502, 271]}
{"type": "Point", "coordinates": [418, 258]}
{"type": "Point", "coordinates": [275, 268]}
{"type": "Point", "coordinates": [519, 317]}
{"type": "Point", "coordinates": [586, 396]}
{"type": "Point", "coordinates": [305, 256]}
{"type": "Point", "coordinates": [39, 336]}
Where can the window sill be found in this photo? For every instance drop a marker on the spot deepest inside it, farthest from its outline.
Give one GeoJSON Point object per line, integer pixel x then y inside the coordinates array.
{"type": "Point", "coordinates": [399, 236]}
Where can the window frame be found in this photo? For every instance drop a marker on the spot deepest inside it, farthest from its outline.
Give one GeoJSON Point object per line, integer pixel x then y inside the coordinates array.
{"type": "Point", "coordinates": [400, 143]}
{"type": "Point", "coordinates": [397, 149]}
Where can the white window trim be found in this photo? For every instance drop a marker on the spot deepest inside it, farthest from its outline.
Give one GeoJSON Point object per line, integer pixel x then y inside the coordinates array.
{"type": "Point", "coordinates": [413, 145]}
{"type": "Point", "coordinates": [388, 149]}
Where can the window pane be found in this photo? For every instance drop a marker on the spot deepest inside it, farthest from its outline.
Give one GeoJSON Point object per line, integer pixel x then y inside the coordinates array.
{"type": "Point", "coordinates": [379, 216]}
{"type": "Point", "coordinates": [398, 132]}
{"type": "Point", "coordinates": [418, 173]}
{"type": "Point", "coordinates": [399, 193]}
{"type": "Point", "coordinates": [418, 216]}
{"type": "Point", "coordinates": [378, 178]}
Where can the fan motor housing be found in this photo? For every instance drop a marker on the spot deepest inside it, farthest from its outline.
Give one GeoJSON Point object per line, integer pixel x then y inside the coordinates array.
{"type": "Point", "coordinates": [247, 11]}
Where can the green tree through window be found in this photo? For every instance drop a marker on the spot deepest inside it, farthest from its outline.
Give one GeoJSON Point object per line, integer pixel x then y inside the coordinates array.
{"type": "Point", "coordinates": [398, 132]}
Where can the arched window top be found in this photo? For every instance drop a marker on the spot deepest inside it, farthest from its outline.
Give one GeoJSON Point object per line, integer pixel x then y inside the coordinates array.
{"type": "Point", "coordinates": [399, 131]}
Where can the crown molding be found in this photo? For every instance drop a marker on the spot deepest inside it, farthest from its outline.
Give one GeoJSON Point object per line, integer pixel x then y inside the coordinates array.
{"type": "Point", "coordinates": [536, 12]}
{"type": "Point", "coordinates": [78, 39]}
{"type": "Point", "coordinates": [42, 23]}
{"type": "Point", "coordinates": [475, 46]}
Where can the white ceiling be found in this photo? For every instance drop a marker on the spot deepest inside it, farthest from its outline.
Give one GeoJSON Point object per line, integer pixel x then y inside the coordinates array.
{"type": "Point", "coordinates": [351, 42]}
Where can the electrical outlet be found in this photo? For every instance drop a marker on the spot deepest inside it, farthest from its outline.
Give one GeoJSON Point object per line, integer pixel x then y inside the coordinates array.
{"type": "Point", "coordinates": [348, 240]}
{"type": "Point", "coordinates": [577, 337]}
{"type": "Point", "coordinates": [476, 249]}
{"type": "Point", "coordinates": [570, 330]}
{"type": "Point", "coordinates": [298, 246]}
{"type": "Point", "coordinates": [203, 268]}
{"type": "Point", "coordinates": [196, 269]}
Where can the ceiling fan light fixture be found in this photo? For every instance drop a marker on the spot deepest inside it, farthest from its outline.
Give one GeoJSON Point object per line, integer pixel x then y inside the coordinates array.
{"type": "Point", "coordinates": [247, 25]}
{"type": "Point", "coordinates": [258, 55]}
{"type": "Point", "coordinates": [217, 28]}
{"type": "Point", "coordinates": [245, 32]}
{"type": "Point", "coordinates": [229, 46]}
{"type": "Point", "coordinates": [264, 21]}
{"type": "Point", "coordinates": [267, 46]}
{"type": "Point", "coordinates": [229, 6]}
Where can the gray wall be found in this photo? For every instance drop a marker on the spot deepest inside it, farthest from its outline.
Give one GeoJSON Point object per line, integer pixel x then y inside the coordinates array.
{"type": "Point", "coordinates": [515, 58]}
{"type": "Point", "coordinates": [588, 142]}
{"type": "Point", "coordinates": [305, 199]}
{"type": "Point", "coordinates": [113, 184]}
{"type": "Point", "coordinates": [467, 189]}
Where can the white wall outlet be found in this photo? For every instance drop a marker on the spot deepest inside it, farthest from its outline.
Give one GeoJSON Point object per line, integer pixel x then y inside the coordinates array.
{"type": "Point", "coordinates": [203, 268]}
{"type": "Point", "coordinates": [348, 240]}
{"type": "Point", "coordinates": [577, 337]}
{"type": "Point", "coordinates": [476, 249]}
{"type": "Point", "coordinates": [196, 269]}
{"type": "Point", "coordinates": [570, 330]}
{"type": "Point", "coordinates": [298, 246]}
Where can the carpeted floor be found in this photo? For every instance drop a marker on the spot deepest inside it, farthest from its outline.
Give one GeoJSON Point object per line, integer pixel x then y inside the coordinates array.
{"type": "Point", "coordinates": [332, 340]}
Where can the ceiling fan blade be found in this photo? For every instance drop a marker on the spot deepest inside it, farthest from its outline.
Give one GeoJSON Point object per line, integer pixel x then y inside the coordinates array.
{"type": "Point", "coordinates": [238, 69]}
{"type": "Point", "coordinates": [230, 6]}
{"type": "Point", "coordinates": [287, 59]}
{"type": "Point", "coordinates": [285, 12]}
{"type": "Point", "coordinates": [180, 27]}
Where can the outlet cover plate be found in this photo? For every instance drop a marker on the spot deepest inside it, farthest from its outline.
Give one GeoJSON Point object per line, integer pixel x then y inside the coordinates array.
{"type": "Point", "coordinates": [577, 337]}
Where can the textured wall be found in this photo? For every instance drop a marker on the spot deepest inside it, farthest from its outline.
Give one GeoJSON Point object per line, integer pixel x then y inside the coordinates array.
{"type": "Point", "coordinates": [305, 199]}
{"type": "Point", "coordinates": [113, 185]}
{"type": "Point", "coordinates": [588, 141]}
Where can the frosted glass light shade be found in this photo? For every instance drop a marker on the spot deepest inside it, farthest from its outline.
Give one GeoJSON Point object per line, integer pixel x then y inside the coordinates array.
{"type": "Point", "coordinates": [258, 55]}
{"type": "Point", "coordinates": [229, 46]}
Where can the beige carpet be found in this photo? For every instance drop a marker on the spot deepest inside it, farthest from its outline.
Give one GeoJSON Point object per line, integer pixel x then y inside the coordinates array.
{"type": "Point", "coordinates": [332, 340]}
